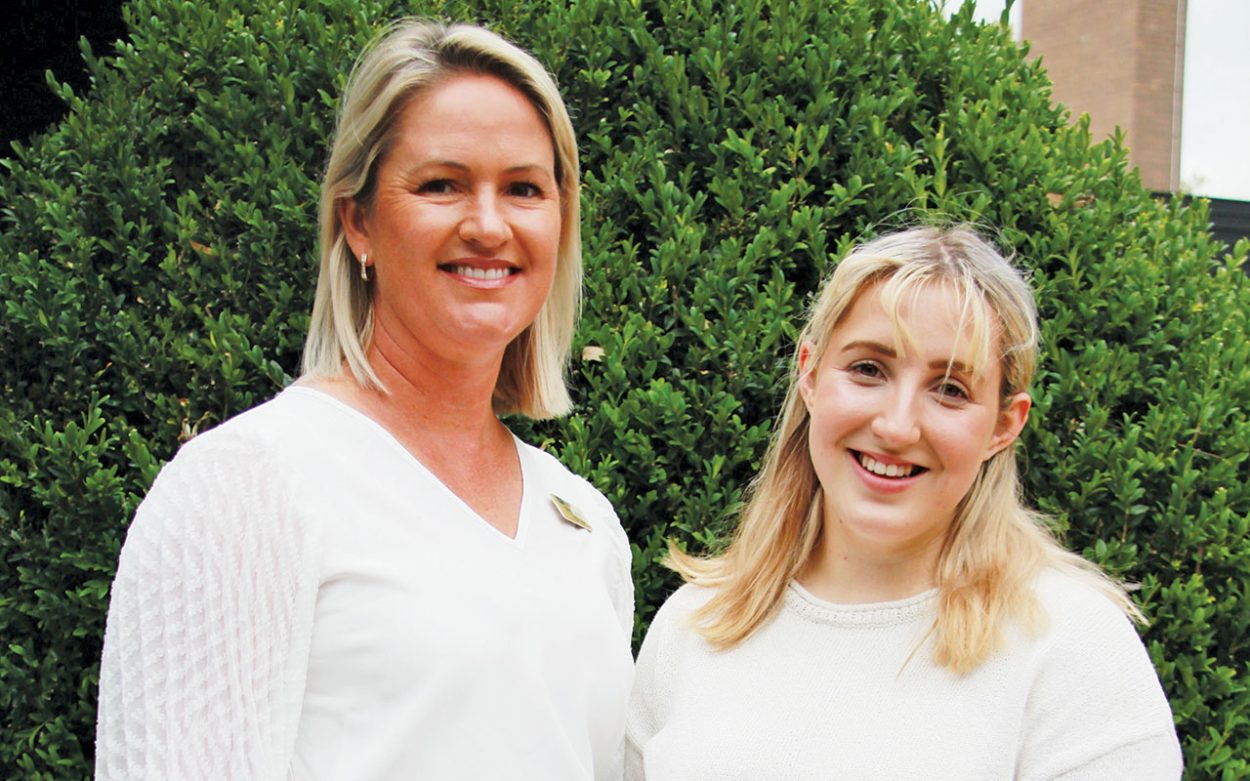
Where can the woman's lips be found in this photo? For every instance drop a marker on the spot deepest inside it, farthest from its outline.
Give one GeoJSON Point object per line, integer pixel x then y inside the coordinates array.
{"type": "Point", "coordinates": [885, 475]}
{"type": "Point", "coordinates": [487, 275]}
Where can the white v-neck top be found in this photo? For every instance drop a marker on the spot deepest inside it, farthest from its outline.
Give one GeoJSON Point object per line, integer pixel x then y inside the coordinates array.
{"type": "Point", "coordinates": [298, 597]}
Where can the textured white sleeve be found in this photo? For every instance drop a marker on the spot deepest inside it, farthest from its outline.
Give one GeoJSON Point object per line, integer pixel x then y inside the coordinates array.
{"type": "Point", "coordinates": [1097, 711]}
{"type": "Point", "coordinates": [209, 624]}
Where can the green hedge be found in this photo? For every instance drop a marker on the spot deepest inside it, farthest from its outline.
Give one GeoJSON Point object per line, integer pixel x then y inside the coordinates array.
{"type": "Point", "coordinates": [157, 266]}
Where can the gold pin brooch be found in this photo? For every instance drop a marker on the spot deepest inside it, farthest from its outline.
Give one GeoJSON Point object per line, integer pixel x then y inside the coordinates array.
{"type": "Point", "coordinates": [568, 513]}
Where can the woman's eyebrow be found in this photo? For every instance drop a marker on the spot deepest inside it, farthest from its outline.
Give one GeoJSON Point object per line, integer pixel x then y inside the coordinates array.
{"type": "Point", "coordinates": [435, 162]}
{"type": "Point", "coordinates": [955, 367]}
{"type": "Point", "coordinates": [868, 344]}
{"type": "Point", "coordinates": [520, 168]}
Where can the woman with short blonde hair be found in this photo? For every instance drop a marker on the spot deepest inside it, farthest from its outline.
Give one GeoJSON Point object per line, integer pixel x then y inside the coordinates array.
{"type": "Point", "coordinates": [404, 60]}
{"type": "Point", "coordinates": [369, 576]}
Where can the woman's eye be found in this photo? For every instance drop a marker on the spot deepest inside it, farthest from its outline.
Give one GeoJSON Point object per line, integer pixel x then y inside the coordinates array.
{"type": "Point", "coordinates": [436, 187]}
{"type": "Point", "coordinates": [865, 370]}
{"type": "Point", "coordinates": [525, 190]}
{"type": "Point", "coordinates": [952, 392]}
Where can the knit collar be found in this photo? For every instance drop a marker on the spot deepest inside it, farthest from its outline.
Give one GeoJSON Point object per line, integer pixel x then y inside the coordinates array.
{"type": "Point", "coordinates": [875, 614]}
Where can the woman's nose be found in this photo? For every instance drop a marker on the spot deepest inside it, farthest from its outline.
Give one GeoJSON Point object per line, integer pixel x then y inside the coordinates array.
{"type": "Point", "coordinates": [484, 223]}
{"type": "Point", "coordinates": [896, 422]}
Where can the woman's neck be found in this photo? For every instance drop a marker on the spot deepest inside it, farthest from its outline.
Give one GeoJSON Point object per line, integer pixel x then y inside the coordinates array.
{"type": "Point", "coordinates": [847, 573]}
{"type": "Point", "coordinates": [431, 394]}
{"type": "Point", "coordinates": [440, 400]}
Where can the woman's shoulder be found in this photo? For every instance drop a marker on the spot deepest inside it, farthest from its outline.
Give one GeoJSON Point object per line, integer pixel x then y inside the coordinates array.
{"type": "Point", "coordinates": [676, 617]}
{"type": "Point", "coordinates": [1086, 635]}
{"type": "Point", "coordinates": [243, 463]}
{"type": "Point", "coordinates": [273, 420]}
{"type": "Point", "coordinates": [251, 428]}
{"type": "Point", "coordinates": [554, 469]}
{"type": "Point", "coordinates": [688, 598]}
{"type": "Point", "coordinates": [229, 443]}
{"type": "Point", "coordinates": [1079, 602]}
{"type": "Point", "coordinates": [278, 431]}
{"type": "Point", "coordinates": [226, 497]}
{"type": "Point", "coordinates": [571, 487]}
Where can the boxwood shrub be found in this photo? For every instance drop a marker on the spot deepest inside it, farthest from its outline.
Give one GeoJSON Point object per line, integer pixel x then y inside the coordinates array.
{"type": "Point", "coordinates": [157, 266]}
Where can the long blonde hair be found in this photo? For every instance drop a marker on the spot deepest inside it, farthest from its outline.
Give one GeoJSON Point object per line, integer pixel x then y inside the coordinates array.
{"type": "Point", "coordinates": [408, 57]}
{"type": "Point", "coordinates": [995, 547]}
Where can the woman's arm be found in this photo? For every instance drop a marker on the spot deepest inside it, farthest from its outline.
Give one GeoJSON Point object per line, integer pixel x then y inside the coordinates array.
{"type": "Point", "coordinates": [209, 623]}
{"type": "Point", "coordinates": [640, 720]}
{"type": "Point", "coordinates": [621, 588]}
{"type": "Point", "coordinates": [659, 665]}
{"type": "Point", "coordinates": [621, 577]}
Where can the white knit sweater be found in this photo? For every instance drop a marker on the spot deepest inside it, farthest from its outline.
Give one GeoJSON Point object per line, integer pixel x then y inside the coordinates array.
{"type": "Point", "coordinates": [298, 598]}
{"type": "Point", "coordinates": [826, 691]}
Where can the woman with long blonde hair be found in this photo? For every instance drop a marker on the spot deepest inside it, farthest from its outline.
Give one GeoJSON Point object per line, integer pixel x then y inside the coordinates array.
{"type": "Point", "coordinates": [889, 608]}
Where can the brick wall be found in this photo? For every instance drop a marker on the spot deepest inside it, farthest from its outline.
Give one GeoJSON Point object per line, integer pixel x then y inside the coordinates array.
{"type": "Point", "coordinates": [1120, 62]}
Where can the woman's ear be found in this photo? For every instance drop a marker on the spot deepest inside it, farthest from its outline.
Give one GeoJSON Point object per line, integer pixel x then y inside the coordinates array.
{"type": "Point", "coordinates": [355, 229]}
{"type": "Point", "coordinates": [806, 382]}
{"type": "Point", "coordinates": [1011, 420]}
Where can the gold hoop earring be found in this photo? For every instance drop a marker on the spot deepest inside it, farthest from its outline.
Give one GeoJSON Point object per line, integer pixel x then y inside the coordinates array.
{"type": "Point", "coordinates": [364, 267]}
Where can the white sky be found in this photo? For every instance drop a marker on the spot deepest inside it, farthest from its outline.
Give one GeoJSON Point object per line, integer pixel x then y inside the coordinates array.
{"type": "Point", "coordinates": [1215, 120]}
{"type": "Point", "coordinates": [1215, 115]}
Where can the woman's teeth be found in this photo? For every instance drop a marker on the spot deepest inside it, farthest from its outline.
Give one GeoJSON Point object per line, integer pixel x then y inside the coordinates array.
{"type": "Point", "coordinates": [480, 273]}
{"type": "Point", "coordinates": [885, 470]}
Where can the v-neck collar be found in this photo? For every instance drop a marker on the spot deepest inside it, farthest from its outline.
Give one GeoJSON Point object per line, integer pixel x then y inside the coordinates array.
{"type": "Point", "coordinates": [383, 433]}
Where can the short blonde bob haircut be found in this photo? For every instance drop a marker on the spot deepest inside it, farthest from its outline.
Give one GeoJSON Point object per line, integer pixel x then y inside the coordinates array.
{"type": "Point", "coordinates": [995, 546]}
{"type": "Point", "coordinates": [408, 57]}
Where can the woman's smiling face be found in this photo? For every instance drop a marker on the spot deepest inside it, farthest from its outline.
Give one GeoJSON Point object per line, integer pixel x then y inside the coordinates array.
{"type": "Point", "coordinates": [464, 226]}
{"type": "Point", "coordinates": [899, 424]}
